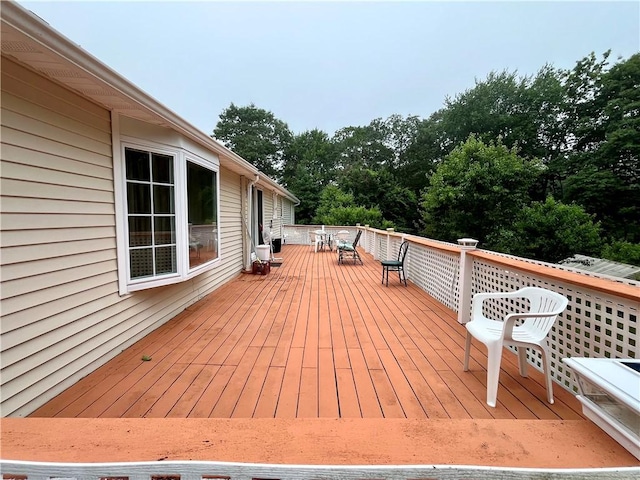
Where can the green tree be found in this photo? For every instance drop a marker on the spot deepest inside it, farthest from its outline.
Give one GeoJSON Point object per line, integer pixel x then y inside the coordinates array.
{"type": "Point", "coordinates": [625, 252]}
{"type": "Point", "coordinates": [421, 157]}
{"type": "Point", "coordinates": [603, 170]}
{"type": "Point", "coordinates": [399, 206]}
{"type": "Point", "coordinates": [352, 216]}
{"type": "Point", "coordinates": [364, 147]}
{"type": "Point", "coordinates": [331, 197]}
{"type": "Point", "coordinates": [398, 134]}
{"type": "Point", "coordinates": [309, 167]}
{"type": "Point", "coordinates": [549, 231]}
{"type": "Point", "coordinates": [338, 208]}
{"type": "Point", "coordinates": [256, 135]}
{"type": "Point", "coordinates": [490, 110]}
{"type": "Point", "coordinates": [305, 187]}
{"type": "Point", "coordinates": [314, 151]}
{"type": "Point", "coordinates": [366, 185]}
{"type": "Point", "coordinates": [477, 189]}
{"type": "Point", "coordinates": [521, 111]}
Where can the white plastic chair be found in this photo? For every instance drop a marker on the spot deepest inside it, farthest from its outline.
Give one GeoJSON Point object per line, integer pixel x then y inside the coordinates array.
{"type": "Point", "coordinates": [316, 240]}
{"type": "Point", "coordinates": [537, 312]}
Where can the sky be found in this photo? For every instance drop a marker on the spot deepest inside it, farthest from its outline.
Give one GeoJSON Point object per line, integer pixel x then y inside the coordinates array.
{"type": "Point", "coordinates": [333, 64]}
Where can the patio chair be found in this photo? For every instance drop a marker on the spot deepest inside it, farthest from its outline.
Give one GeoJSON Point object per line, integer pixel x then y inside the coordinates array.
{"type": "Point", "coordinates": [342, 237]}
{"type": "Point", "coordinates": [396, 265]}
{"type": "Point", "coordinates": [316, 240]}
{"type": "Point", "coordinates": [527, 329]}
{"type": "Point", "coordinates": [347, 250]}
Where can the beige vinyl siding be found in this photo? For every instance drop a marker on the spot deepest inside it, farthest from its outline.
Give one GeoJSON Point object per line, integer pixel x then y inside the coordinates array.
{"type": "Point", "coordinates": [62, 316]}
{"type": "Point", "coordinates": [56, 177]}
{"type": "Point", "coordinates": [287, 212]}
{"type": "Point", "coordinates": [276, 219]}
{"type": "Point", "coordinates": [267, 208]}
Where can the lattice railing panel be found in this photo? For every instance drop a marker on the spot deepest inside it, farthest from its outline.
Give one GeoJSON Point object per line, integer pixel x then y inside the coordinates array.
{"type": "Point", "coordinates": [372, 242]}
{"type": "Point", "coordinates": [381, 246]}
{"type": "Point", "coordinates": [391, 251]}
{"type": "Point", "coordinates": [301, 234]}
{"type": "Point", "coordinates": [436, 272]}
{"type": "Point", "coordinates": [375, 243]}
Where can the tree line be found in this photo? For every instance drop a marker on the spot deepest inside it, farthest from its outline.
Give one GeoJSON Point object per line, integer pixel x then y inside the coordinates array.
{"type": "Point", "coordinates": [541, 166]}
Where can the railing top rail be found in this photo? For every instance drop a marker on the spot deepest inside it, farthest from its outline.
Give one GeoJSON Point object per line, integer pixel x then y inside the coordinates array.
{"type": "Point", "coordinates": [610, 287]}
{"type": "Point", "coordinates": [436, 244]}
{"type": "Point", "coordinates": [445, 247]}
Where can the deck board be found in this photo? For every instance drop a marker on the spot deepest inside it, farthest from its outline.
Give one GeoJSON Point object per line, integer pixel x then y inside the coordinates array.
{"type": "Point", "coordinates": [311, 339]}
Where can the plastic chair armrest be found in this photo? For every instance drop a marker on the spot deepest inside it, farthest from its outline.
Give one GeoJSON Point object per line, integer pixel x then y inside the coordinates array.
{"type": "Point", "coordinates": [510, 321]}
{"type": "Point", "coordinates": [479, 298]}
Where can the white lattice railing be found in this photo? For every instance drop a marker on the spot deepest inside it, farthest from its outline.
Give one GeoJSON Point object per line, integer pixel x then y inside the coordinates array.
{"type": "Point", "coordinates": [199, 470]}
{"type": "Point", "coordinates": [301, 234]}
{"type": "Point", "coordinates": [601, 319]}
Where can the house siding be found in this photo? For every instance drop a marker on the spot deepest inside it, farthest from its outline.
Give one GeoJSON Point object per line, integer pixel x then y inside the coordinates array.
{"type": "Point", "coordinates": [279, 211]}
{"type": "Point", "coordinates": [62, 315]}
{"type": "Point", "coordinates": [267, 211]}
{"type": "Point", "coordinates": [287, 212]}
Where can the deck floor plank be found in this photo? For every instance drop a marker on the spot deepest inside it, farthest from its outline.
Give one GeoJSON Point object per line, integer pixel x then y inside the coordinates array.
{"type": "Point", "coordinates": [288, 399]}
{"type": "Point", "coordinates": [310, 339]}
{"type": "Point", "coordinates": [268, 399]}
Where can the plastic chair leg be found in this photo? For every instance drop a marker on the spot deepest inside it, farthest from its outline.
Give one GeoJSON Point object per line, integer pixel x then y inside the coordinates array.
{"type": "Point", "coordinates": [547, 374]}
{"type": "Point", "coordinates": [467, 351]}
{"type": "Point", "coordinates": [494, 357]}
{"type": "Point", "coordinates": [522, 361]}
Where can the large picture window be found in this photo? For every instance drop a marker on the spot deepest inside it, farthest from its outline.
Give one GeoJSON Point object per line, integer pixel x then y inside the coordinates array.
{"type": "Point", "coordinates": [170, 201]}
{"type": "Point", "coordinates": [202, 211]}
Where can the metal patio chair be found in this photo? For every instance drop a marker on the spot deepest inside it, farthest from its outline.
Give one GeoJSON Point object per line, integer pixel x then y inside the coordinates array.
{"type": "Point", "coordinates": [396, 265]}
{"type": "Point", "coordinates": [346, 250]}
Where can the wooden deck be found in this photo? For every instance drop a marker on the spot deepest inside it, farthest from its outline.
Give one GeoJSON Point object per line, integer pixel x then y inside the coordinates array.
{"type": "Point", "coordinates": [310, 339]}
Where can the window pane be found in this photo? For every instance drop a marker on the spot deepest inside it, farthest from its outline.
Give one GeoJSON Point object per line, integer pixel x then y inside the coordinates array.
{"type": "Point", "coordinates": [138, 198]}
{"type": "Point", "coordinates": [162, 168]}
{"type": "Point", "coordinates": [162, 199]}
{"type": "Point", "coordinates": [164, 230]}
{"type": "Point", "coordinates": [201, 193]}
{"type": "Point", "coordinates": [165, 260]}
{"type": "Point", "coordinates": [141, 262]}
{"type": "Point", "coordinates": [139, 231]}
{"type": "Point", "coordinates": [137, 165]}
{"type": "Point", "coordinates": [202, 205]}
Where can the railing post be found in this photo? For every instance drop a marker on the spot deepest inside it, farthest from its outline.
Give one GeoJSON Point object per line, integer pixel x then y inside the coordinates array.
{"type": "Point", "coordinates": [365, 237]}
{"type": "Point", "coordinates": [466, 269]}
{"type": "Point", "coordinates": [389, 232]}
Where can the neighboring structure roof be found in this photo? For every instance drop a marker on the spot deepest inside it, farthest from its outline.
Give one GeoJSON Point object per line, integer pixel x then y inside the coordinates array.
{"type": "Point", "coordinates": [602, 266]}
{"type": "Point", "coordinates": [32, 42]}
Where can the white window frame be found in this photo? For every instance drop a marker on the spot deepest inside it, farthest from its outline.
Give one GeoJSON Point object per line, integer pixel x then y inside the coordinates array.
{"type": "Point", "coordinates": [180, 158]}
{"type": "Point", "coordinates": [198, 160]}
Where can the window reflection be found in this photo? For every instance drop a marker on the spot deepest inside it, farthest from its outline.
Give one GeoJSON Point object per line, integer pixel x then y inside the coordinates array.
{"type": "Point", "coordinates": [202, 211]}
